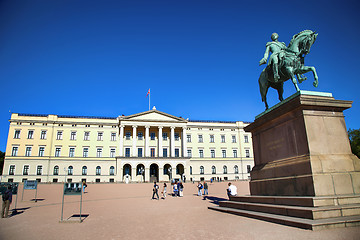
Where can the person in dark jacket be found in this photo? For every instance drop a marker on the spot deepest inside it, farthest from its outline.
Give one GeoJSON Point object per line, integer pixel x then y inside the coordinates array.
{"type": "Point", "coordinates": [7, 199]}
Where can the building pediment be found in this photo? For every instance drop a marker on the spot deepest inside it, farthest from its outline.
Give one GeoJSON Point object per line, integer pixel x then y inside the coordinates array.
{"type": "Point", "coordinates": [153, 116]}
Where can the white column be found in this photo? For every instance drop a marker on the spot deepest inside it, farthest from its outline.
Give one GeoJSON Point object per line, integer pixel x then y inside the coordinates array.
{"type": "Point", "coordinates": [121, 149]}
{"type": "Point", "coordinates": [184, 140]}
{"type": "Point", "coordinates": [134, 141]}
{"type": "Point", "coordinates": [147, 149]}
{"type": "Point", "coordinates": [160, 154]}
{"type": "Point", "coordinates": [172, 141]}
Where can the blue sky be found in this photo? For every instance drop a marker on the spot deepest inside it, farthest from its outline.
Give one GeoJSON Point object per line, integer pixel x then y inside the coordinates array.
{"type": "Point", "coordinates": [200, 58]}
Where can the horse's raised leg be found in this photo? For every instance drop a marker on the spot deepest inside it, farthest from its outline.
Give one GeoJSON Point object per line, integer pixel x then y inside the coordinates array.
{"type": "Point", "coordinates": [305, 69]}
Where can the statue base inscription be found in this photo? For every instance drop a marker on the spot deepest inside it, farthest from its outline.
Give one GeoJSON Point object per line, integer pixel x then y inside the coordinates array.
{"type": "Point", "coordinates": [305, 174]}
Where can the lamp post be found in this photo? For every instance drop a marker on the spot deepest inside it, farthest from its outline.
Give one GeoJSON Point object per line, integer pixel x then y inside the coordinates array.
{"type": "Point", "coordinates": [170, 173]}
{"type": "Point", "coordinates": [142, 170]}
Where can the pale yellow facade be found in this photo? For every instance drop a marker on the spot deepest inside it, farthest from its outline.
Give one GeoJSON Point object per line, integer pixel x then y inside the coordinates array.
{"type": "Point", "coordinates": [147, 146]}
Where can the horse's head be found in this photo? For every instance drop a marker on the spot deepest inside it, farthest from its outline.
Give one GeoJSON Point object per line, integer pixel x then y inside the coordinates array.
{"type": "Point", "coordinates": [302, 42]}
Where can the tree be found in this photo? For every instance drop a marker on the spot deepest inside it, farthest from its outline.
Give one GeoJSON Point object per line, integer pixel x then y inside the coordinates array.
{"type": "Point", "coordinates": [354, 136]}
{"type": "Point", "coordinates": [2, 156]}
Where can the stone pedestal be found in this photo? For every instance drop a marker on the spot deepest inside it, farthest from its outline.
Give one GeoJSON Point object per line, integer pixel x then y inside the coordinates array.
{"type": "Point", "coordinates": [305, 174]}
{"type": "Point", "coordinates": [301, 148]}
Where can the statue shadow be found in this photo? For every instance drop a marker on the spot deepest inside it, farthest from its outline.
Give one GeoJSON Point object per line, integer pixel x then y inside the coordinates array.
{"type": "Point", "coordinates": [214, 200]}
{"type": "Point", "coordinates": [37, 200]}
{"type": "Point", "coordinates": [77, 216]}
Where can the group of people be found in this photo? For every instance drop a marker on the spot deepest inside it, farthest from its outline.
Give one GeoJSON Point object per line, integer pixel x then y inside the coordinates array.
{"type": "Point", "coordinates": [205, 187]}
{"type": "Point", "coordinates": [177, 187]}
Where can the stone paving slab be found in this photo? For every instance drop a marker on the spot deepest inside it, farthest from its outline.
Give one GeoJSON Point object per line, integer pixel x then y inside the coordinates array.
{"type": "Point", "coordinates": [126, 211]}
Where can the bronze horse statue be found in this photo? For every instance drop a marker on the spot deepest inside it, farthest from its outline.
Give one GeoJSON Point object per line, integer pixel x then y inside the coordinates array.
{"type": "Point", "coordinates": [290, 65]}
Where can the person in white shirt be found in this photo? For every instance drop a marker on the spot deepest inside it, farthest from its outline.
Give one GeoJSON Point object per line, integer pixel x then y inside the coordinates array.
{"type": "Point", "coordinates": [232, 190]}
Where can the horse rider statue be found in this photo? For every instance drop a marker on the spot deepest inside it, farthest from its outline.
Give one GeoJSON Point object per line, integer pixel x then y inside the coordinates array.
{"type": "Point", "coordinates": [277, 48]}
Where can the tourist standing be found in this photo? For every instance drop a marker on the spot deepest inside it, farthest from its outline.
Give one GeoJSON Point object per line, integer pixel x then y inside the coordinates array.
{"type": "Point", "coordinates": [181, 188]}
{"type": "Point", "coordinates": [155, 191]}
{"type": "Point", "coordinates": [175, 189]}
{"type": "Point", "coordinates": [7, 199]}
{"type": "Point", "coordinates": [199, 186]}
{"type": "Point", "coordinates": [84, 186]}
{"type": "Point", "coordinates": [164, 191]}
{"type": "Point", "coordinates": [206, 192]}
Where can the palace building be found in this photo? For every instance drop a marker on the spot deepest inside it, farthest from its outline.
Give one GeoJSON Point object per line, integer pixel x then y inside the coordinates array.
{"type": "Point", "coordinates": [143, 147]}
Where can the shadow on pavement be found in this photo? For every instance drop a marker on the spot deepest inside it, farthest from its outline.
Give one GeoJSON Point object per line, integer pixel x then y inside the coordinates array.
{"type": "Point", "coordinates": [214, 200]}
{"type": "Point", "coordinates": [18, 211]}
{"type": "Point", "coordinates": [77, 216]}
{"type": "Point", "coordinates": [37, 200]}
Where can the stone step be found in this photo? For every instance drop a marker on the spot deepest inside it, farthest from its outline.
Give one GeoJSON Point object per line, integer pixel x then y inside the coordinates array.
{"type": "Point", "coordinates": [318, 224]}
{"type": "Point", "coordinates": [296, 211]}
{"type": "Point", "coordinates": [307, 201]}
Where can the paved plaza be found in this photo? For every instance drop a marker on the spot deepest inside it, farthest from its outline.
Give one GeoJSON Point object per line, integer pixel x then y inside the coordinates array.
{"type": "Point", "coordinates": [126, 211]}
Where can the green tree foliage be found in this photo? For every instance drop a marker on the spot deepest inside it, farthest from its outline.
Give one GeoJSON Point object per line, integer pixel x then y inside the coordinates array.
{"type": "Point", "coordinates": [2, 156]}
{"type": "Point", "coordinates": [354, 136]}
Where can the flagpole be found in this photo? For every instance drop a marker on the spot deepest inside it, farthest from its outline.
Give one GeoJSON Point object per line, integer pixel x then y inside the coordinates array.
{"type": "Point", "coordinates": [149, 98]}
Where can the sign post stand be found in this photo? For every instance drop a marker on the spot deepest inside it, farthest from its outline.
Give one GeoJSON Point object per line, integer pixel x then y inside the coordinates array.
{"type": "Point", "coordinates": [71, 189]}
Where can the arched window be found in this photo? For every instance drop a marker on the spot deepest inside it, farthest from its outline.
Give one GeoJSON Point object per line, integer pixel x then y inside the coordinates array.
{"type": "Point", "coordinates": [236, 169]}
{"type": "Point", "coordinates": [225, 169]}
{"type": "Point", "coordinates": [84, 170]}
{"type": "Point", "coordinates": [112, 170]}
{"type": "Point", "coordinates": [56, 170]}
{"type": "Point", "coordinates": [98, 170]}
{"type": "Point", "coordinates": [201, 170]}
{"type": "Point", "coordinates": [70, 170]}
{"type": "Point", "coordinates": [213, 169]}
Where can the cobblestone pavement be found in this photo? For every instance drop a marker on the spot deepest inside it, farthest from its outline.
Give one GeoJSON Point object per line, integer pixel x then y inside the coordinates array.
{"type": "Point", "coordinates": [126, 211]}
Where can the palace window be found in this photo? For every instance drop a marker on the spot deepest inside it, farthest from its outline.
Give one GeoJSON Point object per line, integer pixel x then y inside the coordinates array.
{"type": "Point", "coordinates": [236, 169]}
{"type": "Point", "coordinates": [14, 151]}
{"type": "Point", "coordinates": [43, 134]}
{"type": "Point", "coordinates": [188, 138]}
{"type": "Point", "coordinates": [84, 170]}
{"type": "Point", "coordinates": [233, 138]}
{"type": "Point", "coordinates": [235, 153]}
{"type": "Point", "coordinates": [127, 152]}
{"type": "Point", "coordinates": [26, 170]}
{"type": "Point", "coordinates": [201, 153]}
{"type": "Point", "coordinates": [99, 152]}
{"type": "Point", "coordinates": [248, 168]}
{"type": "Point", "coordinates": [56, 170]}
{"type": "Point", "coordinates": [190, 170]}
{"type": "Point", "coordinates": [212, 138]}
{"type": "Point", "coordinates": [112, 152]}
{"type": "Point", "coordinates": [41, 151]}
{"type": "Point", "coordinates": [12, 170]}
{"type": "Point", "coordinates": [201, 170]}
{"type": "Point", "coordinates": [176, 152]}
{"type": "Point", "coordinates": [152, 152]}
{"type": "Point", "coordinates": [86, 136]}
{"type": "Point", "coordinates": [57, 152]}
{"type": "Point", "coordinates": [223, 153]}
{"type": "Point", "coordinates": [113, 136]}
{"type": "Point", "coordinates": [165, 152]}
{"type": "Point", "coordinates": [72, 152]}
{"type": "Point", "coordinates": [59, 135]}
{"type": "Point", "coordinates": [39, 170]}
{"type": "Point", "coordinates": [85, 152]}
{"type": "Point", "coordinates": [152, 136]}
{"type": "Point", "coordinates": [213, 170]}
{"type": "Point", "coordinates": [246, 138]}
{"type": "Point", "coordinates": [165, 136]}
{"type": "Point", "coordinates": [17, 134]}
{"type": "Point", "coordinates": [140, 136]}
{"type": "Point", "coordinates": [112, 170]}
{"type": "Point", "coordinates": [73, 135]}
{"type": "Point", "coordinates": [70, 170]}
{"type": "Point", "coordinates": [225, 169]}
{"type": "Point", "coordinates": [28, 151]}
{"type": "Point", "coordinates": [140, 152]}
{"type": "Point", "coordinates": [128, 135]}
{"type": "Point", "coordinates": [247, 153]}
{"type": "Point", "coordinates": [200, 138]}
{"type": "Point", "coordinates": [176, 136]}
{"type": "Point", "coordinates": [98, 170]}
{"type": "Point", "coordinates": [100, 136]}
{"type": "Point", "coordinates": [222, 138]}
{"type": "Point", "coordinates": [31, 134]}
{"type": "Point", "coordinates": [212, 151]}
{"type": "Point", "coordinates": [189, 153]}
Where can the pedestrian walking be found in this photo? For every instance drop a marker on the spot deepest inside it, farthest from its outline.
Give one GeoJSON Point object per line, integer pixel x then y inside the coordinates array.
{"type": "Point", "coordinates": [199, 186]}
{"type": "Point", "coordinates": [6, 201]}
{"type": "Point", "coordinates": [84, 186]}
{"type": "Point", "coordinates": [164, 191]}
{"type": "Point", "coordinates": [206, 192]}
{"type": "Point", "coordinates": [175, 189]}
{"type": "Point", "coordinates": [181, 188]}
{"type": "Point", "coordinates": [155, 191]}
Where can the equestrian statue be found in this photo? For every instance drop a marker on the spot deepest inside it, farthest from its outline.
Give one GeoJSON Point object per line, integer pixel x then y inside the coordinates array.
{"type": "Point", "coordinates": [285, 63]}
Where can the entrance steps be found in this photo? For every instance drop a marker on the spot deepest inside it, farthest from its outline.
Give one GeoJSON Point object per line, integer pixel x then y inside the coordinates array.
{"type": "Point", "coordinates": [304, 212]}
